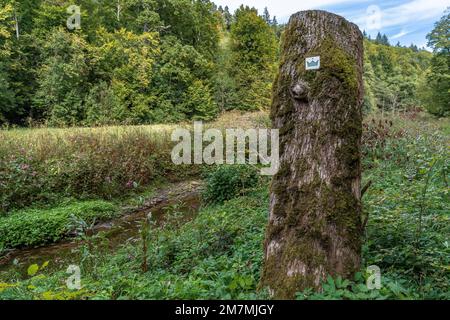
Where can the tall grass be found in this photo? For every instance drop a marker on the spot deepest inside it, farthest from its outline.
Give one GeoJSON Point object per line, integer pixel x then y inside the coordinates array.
{"type": "Point", "coordinates": [43, 165]}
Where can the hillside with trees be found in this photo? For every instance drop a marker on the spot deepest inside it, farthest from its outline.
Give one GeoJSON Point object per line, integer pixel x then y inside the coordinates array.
{"type": "Point", "coordinates": [393, 75]}
{"type": "Point", "coordinates": [154, 61]}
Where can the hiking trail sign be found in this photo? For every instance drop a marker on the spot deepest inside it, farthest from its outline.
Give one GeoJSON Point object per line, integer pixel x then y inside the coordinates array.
{"type": "Point", "coordinates": [312, 63]}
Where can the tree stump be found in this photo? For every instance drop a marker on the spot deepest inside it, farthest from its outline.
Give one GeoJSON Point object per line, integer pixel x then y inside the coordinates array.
{"type": "Point", "coordinates": [315, 207]}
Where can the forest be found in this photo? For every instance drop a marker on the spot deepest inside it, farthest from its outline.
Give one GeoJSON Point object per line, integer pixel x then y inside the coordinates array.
{"type": "Point", "coordinates": [86, 177]}
{"type": "Point", "coordinates": [156, 61]}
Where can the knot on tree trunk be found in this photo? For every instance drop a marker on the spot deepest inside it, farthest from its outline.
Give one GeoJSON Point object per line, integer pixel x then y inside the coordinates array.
{"type": "Point", "coordinates": [300, 91]}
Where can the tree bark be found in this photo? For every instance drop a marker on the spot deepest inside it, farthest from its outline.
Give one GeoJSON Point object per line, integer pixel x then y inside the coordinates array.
{"type": "Point", "coordinates": [16, 24]}
{"type": "Point", "coordinates": [315, 207]}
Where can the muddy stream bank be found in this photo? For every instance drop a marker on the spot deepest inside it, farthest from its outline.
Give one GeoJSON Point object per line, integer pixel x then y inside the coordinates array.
{"type": "Point", "coordinates": [183, 198]}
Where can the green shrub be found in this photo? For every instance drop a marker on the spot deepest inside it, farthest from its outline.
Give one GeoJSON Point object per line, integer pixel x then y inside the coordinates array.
{"type": "Point", "coordinates": [40, 226]}
{"type": "Point", "coordinates": [407, 204]}
{"type": "Point", "coordinates": [228, 181]}
{"type": "Point", "coordinates": [342, 289]}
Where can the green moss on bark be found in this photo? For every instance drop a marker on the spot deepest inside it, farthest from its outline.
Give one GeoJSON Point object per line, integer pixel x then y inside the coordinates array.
{"type": "Point", "coordinates": [315, 208]}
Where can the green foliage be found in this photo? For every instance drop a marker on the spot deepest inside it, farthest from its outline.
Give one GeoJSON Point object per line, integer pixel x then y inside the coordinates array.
{"type": "Point", "coordinates": [392, 77]}
{"type": "Point", "coordinates": [436, 87]}
{"type": "Point", "coordinates": [43, 166]}
{"type": "Point", "coordinates": [181, 73]}
{"type": "Point", "coordinates": [104, 106]}
{"type": "Point", "coordinates": [409, 219]}
{"type": "Point", "coordinates": [131, 62]}
{"type": "Point", "coordinates": [62, 78]}
{"type": "Point", "coordinates": [382, 39]}
{"type": "Point", "coordinates": [40, 287]}
{"type": "Point", "coordinates": [254, 53]}
{"type": "Point", "coordinates": [226, 96]}
{"type": "Point", "coordinates": [125, 61]}
{"type": "Point", "coordinates": [7, 96]}
{"type": "Point", "coordinates": [253, 40]}
{"type": "Point", "coordinates": [229, 181]}
{"type": "Point", "coordinates": [47, 16]}
{"type": "Point", "coordinates": [193, 22]}
{"type": "Point", "coordinates": [407, 232]}
{"type": "Point", "coordinates": [341, 289]}
{"type": "Point", "coordinates": [199, 104]}
{"type": "Point", "coordinates": [438, 38]}
{"type": "Point", "coordinates": [153, 61]}
{"type": "Point", "coordinates": [40, 226]}
{"type": "Point", "coordinates": [228, 18]}
{"type": "Point", "coordinates": [33, 269]}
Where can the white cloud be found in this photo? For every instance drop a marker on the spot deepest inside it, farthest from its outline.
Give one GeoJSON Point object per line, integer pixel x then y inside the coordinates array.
{"type": "Point", "coordinates": [399, 35]}
{"type": "Point", "coordinates": [282, 8]}
{"type": "Point", "coordinates": [410, 12]}
{"type": "Point", "coordinates": [415, 16]}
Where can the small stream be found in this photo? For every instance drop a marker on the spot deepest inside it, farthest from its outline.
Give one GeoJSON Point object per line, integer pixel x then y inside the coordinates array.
{"type": "Point", "coordinates": [122, 230]}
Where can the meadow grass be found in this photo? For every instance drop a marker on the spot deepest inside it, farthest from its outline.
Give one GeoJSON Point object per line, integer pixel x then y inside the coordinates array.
{"type": "Point", "coordinates": [219, 254]}
{"type": "Point", "coordinates": [34, 227]}
{"type": "Point", "coordinates": [42, 165]}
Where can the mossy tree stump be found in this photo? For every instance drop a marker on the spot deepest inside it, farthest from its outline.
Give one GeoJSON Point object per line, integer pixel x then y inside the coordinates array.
{"type": "Point", "coordinates": [315, 211]}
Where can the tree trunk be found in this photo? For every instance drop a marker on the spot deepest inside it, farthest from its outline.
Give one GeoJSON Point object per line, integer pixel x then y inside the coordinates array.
{"type": "Point", "coordinates": [315, 207]}
{"type": "Point", "coordinates": [16, 25]}
{"type": "Point", "coordinates": [119, 9]}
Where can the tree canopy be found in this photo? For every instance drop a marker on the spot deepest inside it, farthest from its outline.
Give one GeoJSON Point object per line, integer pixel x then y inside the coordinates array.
{"type": "Point", "coordinates": [150, 61]}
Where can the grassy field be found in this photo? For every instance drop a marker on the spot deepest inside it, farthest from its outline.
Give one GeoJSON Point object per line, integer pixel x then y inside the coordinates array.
{"type": "Point", "coordinates": [41, 166]}
{"type": "Point", "coordinates": [218, 254]}
{"type": "Point", "coordinates": [44, 168]}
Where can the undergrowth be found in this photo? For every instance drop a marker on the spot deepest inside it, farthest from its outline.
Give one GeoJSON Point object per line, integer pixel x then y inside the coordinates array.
{"type": "Point", "coordinates": [219, 254]}
{"type": "Point", "coordinates": [31, 227]}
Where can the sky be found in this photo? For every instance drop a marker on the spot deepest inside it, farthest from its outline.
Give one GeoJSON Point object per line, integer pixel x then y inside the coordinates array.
{"type": "Point", "coordinates": [406, 21]}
